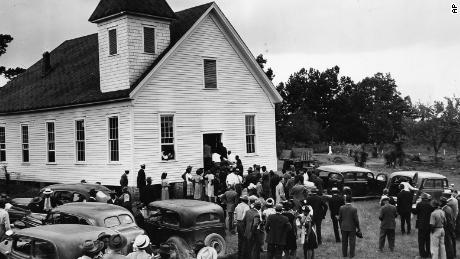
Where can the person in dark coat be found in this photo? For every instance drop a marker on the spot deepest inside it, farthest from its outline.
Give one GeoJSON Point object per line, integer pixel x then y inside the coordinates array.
{"type": "Point", "coordinates": [404, 208]}
{"type": "Point", "coordinates": [230, 198]}
{"type": "Point", "coordinates": [335, 202]}
{"type": "Point", "coordinates": [387, 224]}
{"type": "Point", "coordinates": [349, 224]}
{"type": "Point", "coordinates": [319, 207]}
{"type": "Point", "coordinates": [318, 183]}
{"type": "Point", "coordinates": [449, 228]}
{"type": "Point", "coordinates": [92, 195]}
{"type": "Point", "coordinates": [141, 181]}
{"type": "Point", "coordinates": [250, 223]}
{"type": "Point", "coordinates": [151, 192]}
{"type": "Point", "coordinates": [277, 228]}
{"type": "Point", "coordinates": [124, 179]}
{"type": "Point", "coordinates": [291, 236]}
{"type": "Point", "coordinates": [423, 211]}
{"type": "Point", "coordinates": [113, 198]}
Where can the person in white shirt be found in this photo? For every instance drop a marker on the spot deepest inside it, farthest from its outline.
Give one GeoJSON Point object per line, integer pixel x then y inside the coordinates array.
{"type": "Point", "coordinates": [233, 179]}
{"type": "Point", "coordinates": [4, 220]}
{"type": "Point", "coordinates": [141, 243]}
{"type": "Point", "coordinates": [231, 157]}
{"type": "Point", "coordinates": [216, 157]}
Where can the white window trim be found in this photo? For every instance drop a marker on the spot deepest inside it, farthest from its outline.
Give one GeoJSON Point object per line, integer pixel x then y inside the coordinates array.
{"type": "Point", "coordinates": [108, 40]}
{"type": "Point", "coordinates": [6, 153]}
{"type": "Point", "coordinates": [174, 132]}
{"type": "Point", "coordinates": [47, 140]}
{"type": "Point", "coordinates": [75, 141]}
{"type": "Point", "coordinates": [108, 139]}
{"type": "Point", "coordinates": [22, 143]}
{"type": "Point", "coordinates": [256, 142]}
{"type": "Point", "coordinates": [217, 74]}
{"type": "Point", "coordinates": [156, 39]}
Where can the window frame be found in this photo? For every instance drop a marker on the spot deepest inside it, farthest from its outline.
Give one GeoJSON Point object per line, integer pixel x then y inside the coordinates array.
{"type": "Point", "coordinates": [109, 154]}
{"type": "Point", "coordinates": [75, 141]}
{"type": "Point", "coordinates": [48, 142]}
{"type": "Point", "coordinates": [116, 40]}
{"type": "Point", "coordinates": [173, 114]}
{"type": "Point", "coordinates": [255, 134]}
{"type": "Point", "coordinates": [3, 126]}
{"type": "Point", "coordinates": [24, 143]}
{"type": "Point", "coordinates": [155, 49]}
{"type": "Point", "coordinates": [204, 74]}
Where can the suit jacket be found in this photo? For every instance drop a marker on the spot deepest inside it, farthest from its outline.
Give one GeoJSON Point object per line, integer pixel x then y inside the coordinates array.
{"type": "Point", "coordinates": [404, 202]}
{"type": "Point", "coordinates": [230, 197]}
{"type": "Point", "coordinates": [319, 207]}
{"type": "Point", "coordinates": [387, 217]}
{"type": "Point", "coordinates": [335, 203]}
{"type": "Point", "coordinates": [423, 211]}
{"type": "Point", "coordinates": [249, 223]}
{"type": "Point", "coordinates": [348, 218]}
{"type": "Point", "coordinates": [141, 179]}
{"type": "Point", "coordinates": [450, 221]}
{"type": "Point", "coordinates": [277, 227]}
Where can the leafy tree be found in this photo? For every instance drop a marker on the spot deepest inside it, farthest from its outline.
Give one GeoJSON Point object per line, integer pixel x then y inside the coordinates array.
{"type": "Point", "coordinates": [262, 61]}
{"type": "Point", "coordinates": [9, 73]}
{"type": "Point", "coordinates": [435, 124]}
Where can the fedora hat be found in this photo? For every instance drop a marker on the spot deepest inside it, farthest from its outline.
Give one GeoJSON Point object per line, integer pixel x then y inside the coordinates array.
{"type": "Point", "coordinates": [270, 202]}
{"type": "Point", "coordinates": [141, 241]}
{"type": "Point", "coordinates": [103, 235]}
{"type": "Point", "coordinates": [334, 190]}
{"type": "Point", "coordinates": [207, 253]}
{"type": "Point", "coordinates": [117, 242]}
{"type": "Point", "coordinates": [244, 198]}
{"type": "Point", "coordinates": [92, 247]}
{"type": "Point", "coordinates": [48, 191]}
{"type": "Point", "coordinates": [279, 207]}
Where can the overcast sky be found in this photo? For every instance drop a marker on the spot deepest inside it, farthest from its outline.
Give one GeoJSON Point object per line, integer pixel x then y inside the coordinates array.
{"type": "Point", "coordinates": [417, 41]}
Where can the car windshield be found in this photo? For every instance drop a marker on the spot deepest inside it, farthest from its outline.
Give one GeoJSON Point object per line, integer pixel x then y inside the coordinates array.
{"type": "Point", "coordinates": [164, 216]}
{"type": "Point", "coordinates": [125, 219]}
{"type": "Point", "coordinates": [63, 218]}
{"type": "Point", "coordinates": [44, 249]}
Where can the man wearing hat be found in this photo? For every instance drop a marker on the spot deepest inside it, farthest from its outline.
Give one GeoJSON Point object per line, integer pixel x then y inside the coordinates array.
{"type": "Point", "coordinates": [449, 228]}
{"type": "Point", "coordinates": [91, 249]}
{"type": "Point", "coordinates": [92, 195]}
{"type": "Point", "coordinates": [423, 211]}
{"type": "Point", "coordinates": [335, 202]}
{"type": "Point", "coordinates": [141, 181]}
{"type": "Point", "coordinates": [230, 198]}
{"type": "Point", "coordinates": [387, 224]}
{"type": "Point", "coordinates": [124, 179]}
{"type": "Point", "coordinates": [105, 239]}
{"type": "Point", "coordinates": [141, 243]}
{"type": "Point", "coordinates": [319, 208]}
{"type": "Point", "coordinates": [207, 253]}
{"type": "Point", "coordinates": [437, 222]}
{"type": "Point", "coordinates": [48, 202]}
{"type": "Point", "coordinates": [277, 228]}
{"type": "Point", "coordinates": [240, 212]}
{"type": "Point", "coordinates": [452, 202]}
{"type": "Point", "coordinates": [404, 208]}
{"type": "Point", "coordinates": [116, 244]}
{"type": "Point", "coordinates": [251, 221]}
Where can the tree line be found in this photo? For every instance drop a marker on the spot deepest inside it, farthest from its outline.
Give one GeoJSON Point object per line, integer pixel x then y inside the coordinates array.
{"type": "Point", "coordinates": [322, 106]}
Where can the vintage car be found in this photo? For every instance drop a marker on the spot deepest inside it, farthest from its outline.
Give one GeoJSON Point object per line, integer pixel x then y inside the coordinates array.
{"type": "Point", "coordinates": [50, 242]}
{"type": "Point", "coordinates": [362, 181]}
{"type": "Point", "coordinates": [88, 213]}
{"type": "Point", "coordinates": [431, 183]}
{"type": "Point", "coordinates": [182, 223]}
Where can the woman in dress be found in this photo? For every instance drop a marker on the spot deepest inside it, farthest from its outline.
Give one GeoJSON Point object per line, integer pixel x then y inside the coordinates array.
{"type": "Point", "coordinates": [198, 180]}
{"type": "Point", "coordinates": [188, 183]}
{"type": "Point", "coordinates": [164, 187]}
{"type": "Point", "coordinates": [308, 233]}
{"type": "Point", "coordinates": [210, 185]}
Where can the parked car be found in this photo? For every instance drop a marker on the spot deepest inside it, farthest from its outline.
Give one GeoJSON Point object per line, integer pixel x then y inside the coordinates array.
{"type": "Point", "coordinates": [361, 180]}
{"type": "Point", "coordinates": [431, 183]}
{"type": "Point", "coordinates": [50, 242]}
{"type": "Point", "coordinates": [182, 223]}
{"type": "Point", "coordinates": [89, 213]}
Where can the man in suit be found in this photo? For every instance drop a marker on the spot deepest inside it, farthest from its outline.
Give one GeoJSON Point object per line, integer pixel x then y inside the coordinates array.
{"type": "Point", "coordinates": [423, 212]}
{"type": "Point", "coordinates": [405, 198]}
{"type": "Point", "coordinates": [141, 181]}
{"type": "Point", "coordinates": [277, 227]}
{"type": "Point", "coordinates": [230, 198]}
{"type": "Point", "coordinates": [250, 222]}
{"type": "Point", "coordinates": [319, 207]}
{"type": "Point", "coordinates": [349, 224]}
{"type": "Point", "coordinates": [449, 228]}
{"type": "Point", "coordinates": [335, 203]}
{"type": "Point", "coordinates": [387, 224]}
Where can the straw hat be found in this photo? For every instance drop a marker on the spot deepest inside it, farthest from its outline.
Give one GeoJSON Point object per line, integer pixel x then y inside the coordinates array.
{"type": "Point", "coordinates": [207, 253]}
{"type": "Point", "coordinates": [141, 241]}
{"type": "Point", "coordinates": [47, 191]}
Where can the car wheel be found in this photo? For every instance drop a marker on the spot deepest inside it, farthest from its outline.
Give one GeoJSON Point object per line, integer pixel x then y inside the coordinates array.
{"type": "Point", "coordinates": [217, 242]}
{"type": "Point", "coordinates": [179, 246]}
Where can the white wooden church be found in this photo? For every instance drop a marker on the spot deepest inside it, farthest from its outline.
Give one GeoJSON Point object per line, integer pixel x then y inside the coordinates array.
{"type": "Point", "coordinates": [151, 86]}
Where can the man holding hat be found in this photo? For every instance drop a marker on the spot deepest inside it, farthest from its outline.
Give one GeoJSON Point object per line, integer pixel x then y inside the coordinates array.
{"type": "Point", "coordinates": [335, 202]}
{"type": "Point", "coordinates": [387, 218]}
{"type": "Point", "coordinates": [116, 244]}
{"type": "Point", "coordinates": [240, 212]}
{"type": "Point", "coordinates": [91, 249]}
{"type": "Point", "coordinates": [423, 211]}
{"type": "Point", "coordinates": [277, 228]}
{"type": "Point", "coordinates": [141, 243]}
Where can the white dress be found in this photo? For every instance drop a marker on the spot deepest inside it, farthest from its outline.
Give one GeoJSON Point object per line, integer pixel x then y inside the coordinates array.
{"type": "Point", "coordinates": [210, 185]}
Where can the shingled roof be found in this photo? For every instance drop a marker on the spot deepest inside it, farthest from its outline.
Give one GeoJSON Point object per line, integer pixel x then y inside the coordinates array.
{"type": "Point", "coordinates": [74, 75]}
{"type": "Point", "coordinates": [157, 8]}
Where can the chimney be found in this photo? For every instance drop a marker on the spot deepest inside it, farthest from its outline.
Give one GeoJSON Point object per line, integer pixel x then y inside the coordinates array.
{"type": "Point", "coordinates": [46, 63]}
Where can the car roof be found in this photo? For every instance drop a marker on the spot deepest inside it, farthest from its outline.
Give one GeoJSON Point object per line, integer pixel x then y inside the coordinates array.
{"type": "Point", "coordinates": [421, 174]}
{"type": "Point", "coordinates": [95, 210]}
{"type": "Point", "coordinates": [190, 208]}
{"type": "Point", "coordinates": [343, 169]}
{"type": "Point", "coordinates": [83, 187]}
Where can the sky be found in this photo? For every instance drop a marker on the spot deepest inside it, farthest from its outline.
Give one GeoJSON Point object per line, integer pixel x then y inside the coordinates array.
{"type": "Point", "coordinates": [416, 41]}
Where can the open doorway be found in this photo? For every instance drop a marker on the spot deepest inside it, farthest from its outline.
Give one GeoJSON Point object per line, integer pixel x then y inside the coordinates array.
{"type": "Point", "coordinates": [210, 144]}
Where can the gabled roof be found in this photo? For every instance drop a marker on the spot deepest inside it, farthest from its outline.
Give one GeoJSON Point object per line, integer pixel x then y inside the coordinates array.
{"type": "Point", "coordinates": [111, 8]}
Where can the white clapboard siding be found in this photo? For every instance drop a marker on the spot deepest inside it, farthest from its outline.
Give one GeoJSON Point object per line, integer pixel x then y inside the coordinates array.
{"type": "Point", "coordinates": [179, 88]}
{"type": "Point", "coordinates": [66, 170]}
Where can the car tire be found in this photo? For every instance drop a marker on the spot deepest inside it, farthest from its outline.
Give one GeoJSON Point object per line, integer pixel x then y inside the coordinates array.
{"type": "Point", "coordinates": [179, 245]}
{"type": "Point", "coordinates": [217, 242]}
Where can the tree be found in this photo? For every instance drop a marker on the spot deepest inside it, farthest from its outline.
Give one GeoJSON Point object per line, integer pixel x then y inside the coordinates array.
{"type": "Point", "coordinates": [435, 124]}
{"type": "Point", "coordinates": [9, 73]}
{"type": "Point", "coordinates": [262, 61]}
